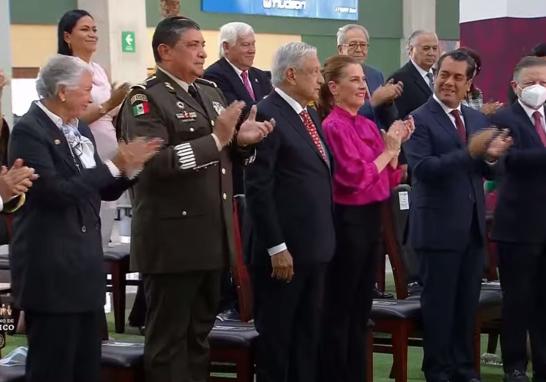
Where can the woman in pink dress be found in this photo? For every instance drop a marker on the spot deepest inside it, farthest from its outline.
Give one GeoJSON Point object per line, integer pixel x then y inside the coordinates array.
{"type": "Point", "coordinates": [365, 170]}
{"type": "Point", "coordinates": [77, 36]}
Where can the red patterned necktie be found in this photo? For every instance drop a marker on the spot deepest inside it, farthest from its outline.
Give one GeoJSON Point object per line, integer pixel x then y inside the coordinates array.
{"type": "Point", "coordinates": [461, 131]}
{"type": "Point", "coordinates": [539, 127]}
{"type": "Point", "coordinates": [310, 126]}
{"type": "Point", "coordinates": [248, 85]}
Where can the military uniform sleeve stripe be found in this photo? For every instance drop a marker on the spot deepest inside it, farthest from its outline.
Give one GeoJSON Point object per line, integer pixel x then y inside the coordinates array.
{"type": "Point", "coordinates": [186, 156]}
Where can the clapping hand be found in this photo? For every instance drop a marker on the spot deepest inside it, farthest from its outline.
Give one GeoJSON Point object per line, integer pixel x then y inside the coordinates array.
{"type": "Point", "coordinates": [500, 144]}
{"type": "Point", "coordinates": [15, 181]}
{"type": "Point", "coordinates": [118, 95]}
{"type": "Point", "coordinates": [387, 93]}
{"type": "Point", "coordinates": [252, 131]}
{"type": "Point", "coordinates": [226, 121]}
{"type": "Point", "coordinates": [132, 156]}
{"type": "Point", "coordinates": [403, 129]}
{"type": "Point", "coordinates": [491, 107]}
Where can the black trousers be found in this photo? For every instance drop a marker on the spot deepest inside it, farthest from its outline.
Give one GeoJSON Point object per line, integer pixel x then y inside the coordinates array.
{"type": "Point", "coordinates": [349, 293]}
{"type": "Point", "coordinates": [63, 347]}
{"type": "Point", "coordinates": [521, 269]}
{"type": "Point", "coordinates": [287, 317]}
{"type": "Point", "coordinates": [181, 310]}
{"type": "Point", "coordinates": [449, 305]}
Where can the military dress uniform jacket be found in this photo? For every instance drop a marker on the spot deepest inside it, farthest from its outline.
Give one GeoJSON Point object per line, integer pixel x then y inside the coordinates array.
{"type": "Point", "coordinates": [182, 205]}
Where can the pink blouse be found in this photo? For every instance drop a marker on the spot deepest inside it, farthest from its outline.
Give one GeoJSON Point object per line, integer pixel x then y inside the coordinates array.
{"type": "Point", "coordinates": [355, 142]}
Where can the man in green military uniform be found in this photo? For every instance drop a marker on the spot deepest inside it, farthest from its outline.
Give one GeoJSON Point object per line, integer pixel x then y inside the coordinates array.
{"type": "Point", "coordinates": [182, 208]}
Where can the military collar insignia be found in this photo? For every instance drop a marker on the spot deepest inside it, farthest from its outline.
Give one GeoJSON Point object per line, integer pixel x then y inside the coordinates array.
{"type": "Point", "coordinates": [169, 87]}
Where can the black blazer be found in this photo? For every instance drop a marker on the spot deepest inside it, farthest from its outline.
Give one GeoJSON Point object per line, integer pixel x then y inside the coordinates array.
{"type": "Point", "coordinates": [56, 254]}
{"type": "Point", "coordinates": [289, 189]}
{"type": "Point", "coordinates": [416, 90]}
{"type": "Point", "coordinates": [223, 74]}
{"type": "Point", "coordinates": [447, 184]}
{"type": "Point", "coordinates": [521, 211]}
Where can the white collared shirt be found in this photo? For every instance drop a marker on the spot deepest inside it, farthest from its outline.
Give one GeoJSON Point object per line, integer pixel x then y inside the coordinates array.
{"type": "Point", "coordinates": [291, 101]}
{"type": "Point", "coordinates": [423, 72]}
{"type": "Point", "coordinates": [530, 111]}
{"type": "Point", "coordinates": [178, 81]}
{"type": "Point", "coordinates": [448, 110]}
{"type": "Point", "coordinates": [87, 157]}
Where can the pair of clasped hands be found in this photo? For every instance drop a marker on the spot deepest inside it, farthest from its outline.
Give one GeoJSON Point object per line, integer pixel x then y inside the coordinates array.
{"type": "Point", "coordinates": [490, 143]}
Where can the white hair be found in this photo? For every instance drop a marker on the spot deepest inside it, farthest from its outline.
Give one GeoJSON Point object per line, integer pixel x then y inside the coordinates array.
{"type": "Point", "coordinates": [60, 70]}
{"type": "Point", "coordinates": [415, 34]}
{"type": "Point", "coordinates": [287, 56]}
{"type": "Point", "coordinates": [230, 32]}
{"type": "Point", "coordinates": [341, 32]}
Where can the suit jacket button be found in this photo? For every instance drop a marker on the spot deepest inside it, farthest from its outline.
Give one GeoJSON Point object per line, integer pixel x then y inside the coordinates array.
{"type": "Point", "coordinates": [184, 213]}
{"type": "Point", "coordinates": [223, 171]}
{"type": "Point", "coordinates": [192, 129]}
{"type": "Point", "coordinates": [84, 229]}
{"type": "Point", "coordinates": [224, 196]}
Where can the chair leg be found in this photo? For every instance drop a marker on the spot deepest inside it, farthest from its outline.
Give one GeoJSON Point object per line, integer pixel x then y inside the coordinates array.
{"type": "Point", "coordinates": [492, 342]}
{"type": "Point", "coordinates": [400, 352]}
{"type": "Point", "coordinates": [477, 346]}
{"type": "Point", "coordinates": [245, 367]}
{"type": "Point", "coordinates": [118, 293]}
{"type": "Point", "coordinates": [369, 356]}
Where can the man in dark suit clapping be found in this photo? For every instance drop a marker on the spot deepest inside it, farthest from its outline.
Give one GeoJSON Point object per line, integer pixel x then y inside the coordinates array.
{"type": "Point", "coordinates": [520, 224]}
{"type": "Point", "coordinates": [236, 77]}
{"type": "Point", "coordinates": [447, 218]}
{"type": "Point", "coordinates": [289, 195]}
{"type": "Point", "coordinates": [417, 74]}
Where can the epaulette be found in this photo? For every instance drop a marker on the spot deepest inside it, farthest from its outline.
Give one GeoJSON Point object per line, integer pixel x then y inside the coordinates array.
{"type": "Point", "coordinates": [206, 82]}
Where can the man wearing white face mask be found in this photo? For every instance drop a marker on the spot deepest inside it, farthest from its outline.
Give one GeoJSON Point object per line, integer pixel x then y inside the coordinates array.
{"type": "Point", "coordinates": [520, 224]}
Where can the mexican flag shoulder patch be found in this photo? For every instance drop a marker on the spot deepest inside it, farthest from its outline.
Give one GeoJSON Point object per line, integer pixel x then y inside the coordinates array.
{"type": "Point", "coordinates": [141, 108]}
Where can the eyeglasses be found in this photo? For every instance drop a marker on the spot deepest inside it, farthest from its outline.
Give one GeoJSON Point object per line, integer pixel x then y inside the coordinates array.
{"type": "Point", "coordinates": [354, 45]}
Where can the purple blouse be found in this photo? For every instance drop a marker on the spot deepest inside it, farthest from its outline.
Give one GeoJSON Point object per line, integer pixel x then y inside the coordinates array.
{"type": "Point", "coordinates": [355, 142]}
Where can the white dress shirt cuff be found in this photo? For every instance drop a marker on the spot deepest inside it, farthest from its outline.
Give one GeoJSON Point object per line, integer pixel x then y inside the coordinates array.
{"type": "Point", "coordinates": [114, 170]}
{"type": "Point", "coordinates": [1, 204]}
{"type": "Point", "coordinates": [277, 249]}
{"type": "Point", "coordinates": [217, 140]}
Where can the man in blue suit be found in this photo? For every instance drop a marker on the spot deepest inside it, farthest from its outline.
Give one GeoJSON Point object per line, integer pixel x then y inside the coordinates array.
{"type": "Point", "coordinates": [353, 40]}
{"type": "Point", "coordinates": [520, 224]}
{"type": "Point", "coordinates": [447, 216]}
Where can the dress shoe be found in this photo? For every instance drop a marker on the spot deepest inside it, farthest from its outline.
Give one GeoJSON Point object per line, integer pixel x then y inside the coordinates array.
{"type": "Point", "coordinates": [516, 376]}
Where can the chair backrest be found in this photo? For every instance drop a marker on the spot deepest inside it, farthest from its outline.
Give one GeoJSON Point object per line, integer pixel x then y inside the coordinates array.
{"type": "Point", "coordinates": [240, 273]}
{"type": "Point", "coordinates": [404, 261]}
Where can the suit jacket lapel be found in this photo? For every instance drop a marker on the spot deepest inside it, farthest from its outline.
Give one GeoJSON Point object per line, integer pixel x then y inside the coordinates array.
{"type": "Point", "coordinates": [419, 80]}
{"type": "Point", "coordinates": [526, 121]}
{"type": "Point", "coordinates": [286, 112]}
{"type": "Point", "coordinates": [237, 82]}
{"type": "Point", "coordinates": [443, 120]}
{"type": "Point", "coordinates": [56, 136]}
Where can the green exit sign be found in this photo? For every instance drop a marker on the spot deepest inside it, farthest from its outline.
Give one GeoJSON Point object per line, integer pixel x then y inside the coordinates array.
{"type": "Point", "coordinates": [128, 42]}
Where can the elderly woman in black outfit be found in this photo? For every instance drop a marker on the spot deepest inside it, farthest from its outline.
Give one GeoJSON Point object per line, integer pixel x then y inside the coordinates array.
{"type": "Point", "coordinates": [56, 252]}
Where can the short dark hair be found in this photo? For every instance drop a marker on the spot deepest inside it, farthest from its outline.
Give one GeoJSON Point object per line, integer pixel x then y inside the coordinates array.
{"type": "Point", "coordinates": [460, 55]}
{"type": "Point", "coordinates": [527, 62]}
{"type": "Point", "coordinates": [169, 30]}
{"type": "Point", "coordinates": [67, 24]}
{"type": "Point", "coordinates": [539, 50]}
